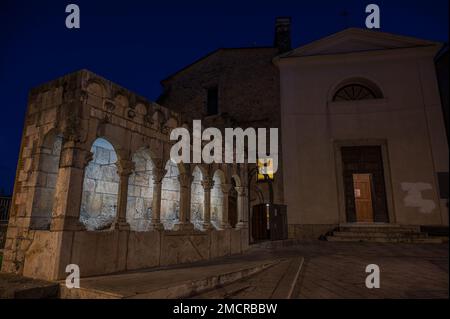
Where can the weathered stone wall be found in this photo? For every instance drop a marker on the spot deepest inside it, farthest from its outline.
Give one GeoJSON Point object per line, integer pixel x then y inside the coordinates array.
{"type": "Point", "coordinates": [217, 199]}
{"type": "Point", "coordinates": [197, 198]}
{"type": "Point", "coordinates": [248, 86]}
{"type": "Point", "coordinates": [140, 192]}
{"type": "Point", "coordinates": [170, 196]}
{"type": "Point", "coordinates": [123, 250]}
{"type": "Point", "coordinates": [105, 131]}
{"type": "Point", "coordinates": [47, 175]}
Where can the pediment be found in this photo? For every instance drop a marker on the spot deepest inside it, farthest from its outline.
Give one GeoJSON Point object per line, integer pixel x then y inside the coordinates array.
{"type": "Point", "coordinates": [357, 40]}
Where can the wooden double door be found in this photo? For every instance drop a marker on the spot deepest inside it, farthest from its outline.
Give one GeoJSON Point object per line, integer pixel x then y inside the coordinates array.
{"type": "Point", "coordinates": [269, 222]}
{"type": "Point", "coordinates": [364, 182]}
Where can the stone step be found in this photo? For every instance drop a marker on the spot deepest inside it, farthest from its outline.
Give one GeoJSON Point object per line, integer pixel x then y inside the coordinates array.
{"type": "Point", "coordinates": [175, 283]}
{"type": "Point", "coordinates": [380, 228]}
{"type": "Point", "coordinates": [427, 240]}
{"type": "Point", "coordinates": [361, 234]}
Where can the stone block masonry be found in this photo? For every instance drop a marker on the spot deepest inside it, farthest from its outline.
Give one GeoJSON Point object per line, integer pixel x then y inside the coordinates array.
{"type": "Point", "coordinates": [95, 186]}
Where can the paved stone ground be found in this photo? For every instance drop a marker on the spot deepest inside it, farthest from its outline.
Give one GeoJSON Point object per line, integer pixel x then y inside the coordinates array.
{"type": "Point", "coordinates": [337, 270]}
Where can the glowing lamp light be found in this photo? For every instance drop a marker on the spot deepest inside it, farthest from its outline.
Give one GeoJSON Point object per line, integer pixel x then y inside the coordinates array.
{"type": "Point", "coordinates": [265, 170]}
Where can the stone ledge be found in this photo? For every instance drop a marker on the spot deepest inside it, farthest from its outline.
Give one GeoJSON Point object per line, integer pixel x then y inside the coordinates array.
{"type": "Point", "coordinates": [181, 282]}
{"type": "Point", "coordinates": [18, 287]}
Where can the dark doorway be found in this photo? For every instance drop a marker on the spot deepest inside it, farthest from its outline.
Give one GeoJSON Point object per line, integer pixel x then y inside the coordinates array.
{"type": "Point", "coordinates": [365, 192]}
{"type": "Point", "coordinates": [269, 222]}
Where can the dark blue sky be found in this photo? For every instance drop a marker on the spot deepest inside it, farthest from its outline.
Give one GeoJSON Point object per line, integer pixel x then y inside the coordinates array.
{"type": "Point", "coordinates": [138, 43]}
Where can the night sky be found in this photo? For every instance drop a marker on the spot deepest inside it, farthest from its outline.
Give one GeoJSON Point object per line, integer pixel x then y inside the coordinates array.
{"type": "Point", "coordinates": [138, 43]}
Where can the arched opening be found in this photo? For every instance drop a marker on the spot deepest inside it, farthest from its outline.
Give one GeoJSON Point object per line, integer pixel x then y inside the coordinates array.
{"type": "Point", "coordinates": [356, 90]}
{"type": "Point", "coordinates": [170, 195]}
{"type": "Point", "coordinates": [217, 198]}
{"type": "Point", "coordinates": [44, 195]}
{"type": "Point", "coordinates": [100, 187]}
{"type": "Point", "coordinates": [197, 198]}
{"type": "Point", "coordinates": [140, 192]}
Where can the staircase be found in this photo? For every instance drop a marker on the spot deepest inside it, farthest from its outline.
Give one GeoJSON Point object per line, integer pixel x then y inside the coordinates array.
{"type": "Point", "coordinates": [382, 233]}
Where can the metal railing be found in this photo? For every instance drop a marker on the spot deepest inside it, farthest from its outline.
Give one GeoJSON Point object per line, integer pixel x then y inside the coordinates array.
{"type": "Point", "coordinates": [5, 204]}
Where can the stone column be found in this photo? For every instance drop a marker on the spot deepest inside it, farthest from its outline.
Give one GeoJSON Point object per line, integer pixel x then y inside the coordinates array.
{"type": "Point", "coordinates": [158, 175]}
{"type": "Point", "coordinates": [224, 223]}
{"type": "Point", "coordinates": [242, 206]}
{"type": "Point", "coordinates": [124, 169]}
{"type": "Point", "coordinates": [184, 222]}
{"type": "Point", "coordinates": [208, 184]}
{"type": "Point", "coordinates": [69, 187]}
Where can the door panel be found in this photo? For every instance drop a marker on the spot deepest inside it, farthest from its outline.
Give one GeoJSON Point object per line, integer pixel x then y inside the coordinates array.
{"type": "Point", "coordinates": [363, 197]}
{"type": "Point", "coordinates": [364, 160]}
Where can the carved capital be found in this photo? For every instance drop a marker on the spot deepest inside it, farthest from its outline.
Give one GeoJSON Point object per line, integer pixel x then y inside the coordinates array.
{"type": "Point", "coordinates": [241, 190]}
{"type": "Point", "coordinates": [125, 167]}
{"type": "Point", "coordinates": [207, 183]}
{"type": "Point", "coordinates": [72, 156]}
{"type": "Point", "coordinates": [185, 180]}
{"type": "Point", "coordinates": [226, 188]}
{"type": "Point", "coordinates": [88, 156]}
{"type": "Point", "coordinates": [158, 174]}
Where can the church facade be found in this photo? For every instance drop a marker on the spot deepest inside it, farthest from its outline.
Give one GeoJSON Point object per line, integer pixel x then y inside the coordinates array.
{"type": "Point", "coordinates": [363, 132]}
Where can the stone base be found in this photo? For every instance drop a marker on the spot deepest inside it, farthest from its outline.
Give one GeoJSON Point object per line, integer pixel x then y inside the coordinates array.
{"type": "Point", "coordinates": [242, 225]}
{"type": "Point", "coordinates": [225, 226]}
{"type": "Point", "coordinates": [207, 226]}
{"type": "Point", "coordinates": [121, 226]}
{"type": "Point", "coordinates": [66, 224]}
{"type": "Point", "coordinates": [183, 227]}
{"type": "Point", "coordinates": [156, 226]}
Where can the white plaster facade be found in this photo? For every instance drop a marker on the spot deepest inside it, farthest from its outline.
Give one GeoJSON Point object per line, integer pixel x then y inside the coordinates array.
{"type": "Point", "coordinates": [405, 121]}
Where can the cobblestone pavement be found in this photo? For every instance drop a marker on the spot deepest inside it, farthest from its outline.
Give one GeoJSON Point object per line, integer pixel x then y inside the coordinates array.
{"type": "Point", "coordinates": [337, 270]}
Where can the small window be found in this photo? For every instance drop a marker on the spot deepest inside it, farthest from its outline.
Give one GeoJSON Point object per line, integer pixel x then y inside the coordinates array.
{"type": "Point", "coordinates": [213, 101]}
{"type": "Point", "coordinates": [354, 92]}
{"type": "Point", "coordinates": [357, 89]}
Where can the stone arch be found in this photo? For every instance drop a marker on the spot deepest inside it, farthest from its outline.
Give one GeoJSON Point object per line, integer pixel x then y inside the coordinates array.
{"type": "Point", "coordinates": [96, 88]}
{"type": "Point", "coordinates": [140, 191]}
{"type": "Point", "coordinates": [197, 197]}
{"type": "Point", "coordinates": [170, 195]}
{"type": "Point", "coordinates": [171, 123]}
{"type": "Point", "coordinates": [49, 155]}
{"type": "Point", "coordinates": [121, 101]}
{"type": "Point", "coordinates": [141, 109]}
{"type": "Point", "coordinates": [158, 119]}
{"type": "Point", "coordinates": [217, 198]}
{"type": "Point", "coordinates": [118, 137]}
{"type": "Point", "coordinates": [100, 187]}
{"type": "Point", "coordinates": [96, 93]}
